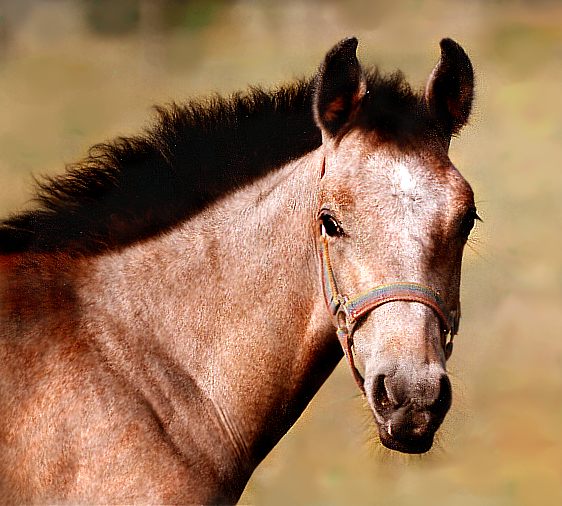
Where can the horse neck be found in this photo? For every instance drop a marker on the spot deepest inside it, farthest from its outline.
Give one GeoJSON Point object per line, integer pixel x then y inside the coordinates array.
{"type": "Point", "coordinates": [228, 310]}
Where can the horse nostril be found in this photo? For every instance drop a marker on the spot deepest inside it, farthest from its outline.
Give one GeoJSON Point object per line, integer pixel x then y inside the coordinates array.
{"type": "Point", "coordinates": [382, 402]}
{"type": "Point", "coordinates": [444, 399]}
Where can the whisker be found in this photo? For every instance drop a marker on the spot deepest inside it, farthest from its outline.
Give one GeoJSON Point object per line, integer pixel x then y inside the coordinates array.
{"type": "Point", "coordinates": [473, 249]}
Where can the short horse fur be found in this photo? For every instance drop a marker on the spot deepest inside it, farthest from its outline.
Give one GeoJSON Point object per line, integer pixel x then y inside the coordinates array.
{"type": "Point", "coordinates": [162, 316]}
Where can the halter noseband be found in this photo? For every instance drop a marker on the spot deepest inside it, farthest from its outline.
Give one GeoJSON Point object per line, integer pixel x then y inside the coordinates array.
{"type": "Point", "coordinates": [347, 311]}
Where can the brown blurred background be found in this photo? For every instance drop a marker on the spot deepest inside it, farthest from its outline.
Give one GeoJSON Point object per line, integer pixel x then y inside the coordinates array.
{"type": "Point", "coordinates": [73, 73]}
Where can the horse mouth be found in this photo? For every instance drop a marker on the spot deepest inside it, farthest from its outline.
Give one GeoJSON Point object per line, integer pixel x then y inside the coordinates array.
{"type": "Point", "coordinates": [406, 443]}
{"type": "Point", "coordinates": [409, 426]}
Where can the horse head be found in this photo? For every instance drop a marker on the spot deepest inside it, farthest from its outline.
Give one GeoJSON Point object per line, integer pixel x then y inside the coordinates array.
{"type": "Point", "coordinates": [393, 217]}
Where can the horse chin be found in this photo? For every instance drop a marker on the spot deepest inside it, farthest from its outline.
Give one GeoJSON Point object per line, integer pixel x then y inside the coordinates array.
{"type": "Point", "coordinates": [409, 444]}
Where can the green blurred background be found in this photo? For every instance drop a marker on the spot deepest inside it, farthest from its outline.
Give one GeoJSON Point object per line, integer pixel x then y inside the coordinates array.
{"type": "Point", "coordinates": [73, 73]}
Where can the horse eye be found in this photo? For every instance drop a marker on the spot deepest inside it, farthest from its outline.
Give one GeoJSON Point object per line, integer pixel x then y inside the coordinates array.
{"type": "Point", "coordinates": [467, 223]}
{"type": "Point", "coordinates": [330, 224]}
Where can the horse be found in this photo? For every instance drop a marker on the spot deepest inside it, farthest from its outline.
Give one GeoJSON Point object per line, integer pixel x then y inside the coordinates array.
{"type": "Point", "coordinates": [171, 303]}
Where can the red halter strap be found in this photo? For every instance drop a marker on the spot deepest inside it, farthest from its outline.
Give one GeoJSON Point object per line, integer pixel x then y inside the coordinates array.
{"type": "Point", "coordinates": [348, 311]}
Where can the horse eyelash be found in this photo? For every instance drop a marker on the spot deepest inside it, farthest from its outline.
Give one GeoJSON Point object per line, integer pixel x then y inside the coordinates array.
{"type": "Point", "coordinates": [326, 216]}
{"type": "Point", "coordinates": [467, 222]}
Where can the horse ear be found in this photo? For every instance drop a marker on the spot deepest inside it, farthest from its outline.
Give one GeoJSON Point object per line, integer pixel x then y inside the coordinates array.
{"type": "Point", "coordinates": [340, 86]}
{"type": "Point", "coordinates": [450, 88]}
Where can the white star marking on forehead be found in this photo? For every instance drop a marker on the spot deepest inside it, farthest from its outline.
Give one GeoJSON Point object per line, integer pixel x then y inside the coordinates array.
{"type": "Point", "coordinates": [404, 179]}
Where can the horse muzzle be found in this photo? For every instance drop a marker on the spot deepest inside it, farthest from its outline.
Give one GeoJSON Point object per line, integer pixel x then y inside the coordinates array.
{"type": "Point", "coordinates": [408, 414]}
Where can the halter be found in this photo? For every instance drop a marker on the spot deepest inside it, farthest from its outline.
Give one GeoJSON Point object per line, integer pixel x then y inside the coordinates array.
{"type": "Point", "coordinates": [347, 311]}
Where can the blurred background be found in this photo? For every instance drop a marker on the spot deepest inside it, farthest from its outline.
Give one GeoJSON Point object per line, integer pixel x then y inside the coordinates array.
{"type": "Point", "coordinates": [73, 73]}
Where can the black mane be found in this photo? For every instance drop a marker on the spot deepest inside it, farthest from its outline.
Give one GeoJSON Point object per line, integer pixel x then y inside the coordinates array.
{"type": "Point", "coordinates": [135, 187]}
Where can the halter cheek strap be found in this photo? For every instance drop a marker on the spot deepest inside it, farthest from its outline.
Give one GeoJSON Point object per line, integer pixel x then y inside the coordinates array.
{"type": "Point", "coordinates": [348, 311]}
